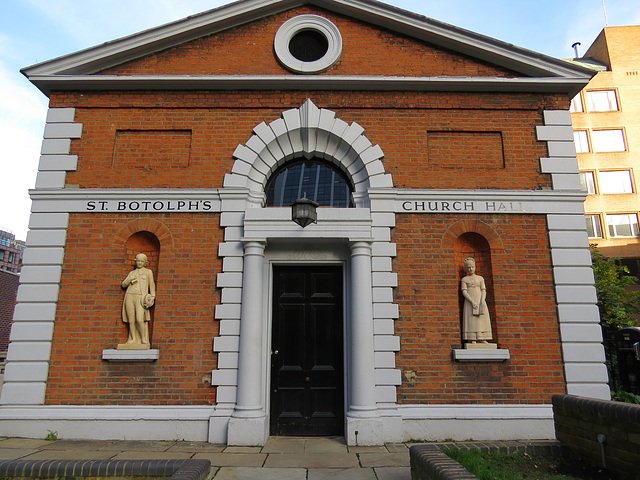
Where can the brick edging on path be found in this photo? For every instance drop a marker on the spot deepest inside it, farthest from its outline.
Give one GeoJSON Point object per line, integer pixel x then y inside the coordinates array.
{"type": "Point", "coordinates": [428, 462]}
{"type": "Point", "coordinates": [175, 469]}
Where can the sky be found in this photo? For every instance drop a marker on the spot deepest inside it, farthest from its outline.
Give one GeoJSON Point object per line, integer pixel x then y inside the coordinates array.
{"type": "Point", "coordinates": [33, 31]}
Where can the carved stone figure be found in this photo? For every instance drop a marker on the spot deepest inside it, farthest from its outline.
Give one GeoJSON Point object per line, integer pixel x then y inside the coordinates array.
{"type": "Point", "coordinates": [139, 298]}
{"type": "Point", "coordinates": [476, 323]}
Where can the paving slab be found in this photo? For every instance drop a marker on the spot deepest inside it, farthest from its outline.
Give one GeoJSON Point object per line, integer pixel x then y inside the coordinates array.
{"type": "Point", "coordinates": [23, 443]}
{"type": "Point", "coordinates": [341, 473]}
{"type": "Point", "coordinates": [197, 447]}
{"type": "Point", "coordinates": [250, 473]}
{"type": "Point", "coordinates": [152, 455]}
{"type": "Point", "coordinates": [396, 447]}
{"type": "Point", "coordinates": [384, 460]}
{"type": "Point", "coordinates": [393, 473]}
{"type": "Point", "coordinates": [284, 445]}
{"type": "Point", "coordinates": [233, 459]}
{"type": "Point", "coordinates": [310, 460]}
{"type": "Point", "coordinates": [379, 450]}
{"type": "Point", "coordinates": [242, 450]}
{"type": "Point", "coordinates": [15, 453]}
{"type": "Point", "coordinates": [325, 445]}
{"type": "Point", "coordinates": [70, 455]}
{"type": "Point", "coordinates": [95, 445]}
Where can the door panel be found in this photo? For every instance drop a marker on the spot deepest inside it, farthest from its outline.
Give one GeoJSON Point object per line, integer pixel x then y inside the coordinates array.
{"type": "Point", "coordinates": [307, 351]}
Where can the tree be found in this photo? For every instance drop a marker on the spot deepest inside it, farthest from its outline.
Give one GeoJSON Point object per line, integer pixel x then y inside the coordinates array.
{"type": "Point", "coordinates": [617, 302]}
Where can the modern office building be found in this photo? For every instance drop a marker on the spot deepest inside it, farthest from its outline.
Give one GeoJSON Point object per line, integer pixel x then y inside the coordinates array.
{"type": "Point", "coordinates": [606, 121]}
{"type": "Point", "coordinates": [10, 252]}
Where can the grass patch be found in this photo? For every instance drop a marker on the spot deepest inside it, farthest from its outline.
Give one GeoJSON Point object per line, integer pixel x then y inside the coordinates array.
{"type": "Point", "coordinates": [514, 466]}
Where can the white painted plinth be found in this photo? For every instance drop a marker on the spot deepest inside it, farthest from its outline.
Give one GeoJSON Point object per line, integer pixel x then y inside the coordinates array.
{"type": "Point", "coordinates": [481, 355]}
{"type": "Point", "coordinates": [114, 355]}
{"type": "Point", "coordinates": [247, 432]}
{"type": "Point", "coordinates": [365, 431]}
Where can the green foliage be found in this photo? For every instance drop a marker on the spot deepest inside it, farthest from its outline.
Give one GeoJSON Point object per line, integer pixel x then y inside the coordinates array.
{"type": "Point", "coordinates": [622, 396]}
{"type": "Point", "coordinates": [616, 302]}
{"type": "Point", "coordinates": [502, 466]}
{"type": "Point", "coordinates": [51, 436]}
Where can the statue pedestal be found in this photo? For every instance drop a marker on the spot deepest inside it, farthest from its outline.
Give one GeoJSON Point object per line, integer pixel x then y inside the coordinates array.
{"type": "Point", "coordinates": [481, 354]}
{"type": "Point", "coordinates": [478, 346]}
{"type": "Point", "coordinates": [133, 346]}
{"type": "Point", "coordinates": [128, 355]}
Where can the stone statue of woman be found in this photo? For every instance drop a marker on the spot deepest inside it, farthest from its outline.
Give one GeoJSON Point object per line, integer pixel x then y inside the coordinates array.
{"type": "Point", "coordinates": [476, 323]}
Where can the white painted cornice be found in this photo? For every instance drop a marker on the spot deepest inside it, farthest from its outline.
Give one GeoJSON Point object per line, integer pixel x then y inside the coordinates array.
{"type": "Point", "coordinates": [116, 52]}
{"type": "Point", "coordinates": [48, 83]}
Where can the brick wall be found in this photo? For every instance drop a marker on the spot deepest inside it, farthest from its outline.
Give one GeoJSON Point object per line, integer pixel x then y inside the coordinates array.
{"type": "Point", "coordinates": [579, 421]}
{"type": "Point", "coordinates": [217, 125]}
{"type": "Point", "coordinates": [524, 321]}
{"type": "Point", "coordinates": [367, 50]}
{"type": "Point", "coordinates": [90, 304]}
{"type": "Point", "coordinates": [189, 139]}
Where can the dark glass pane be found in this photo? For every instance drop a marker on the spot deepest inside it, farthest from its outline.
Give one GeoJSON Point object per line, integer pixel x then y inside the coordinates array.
{"type": "Point", "coordinates": [319, 181]}
{"type": "Point", "coordinates": [308, 46]}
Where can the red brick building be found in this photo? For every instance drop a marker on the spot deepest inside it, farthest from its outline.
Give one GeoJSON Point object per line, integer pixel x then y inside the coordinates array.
{"type": "Point", "coordinates": [424, 145]}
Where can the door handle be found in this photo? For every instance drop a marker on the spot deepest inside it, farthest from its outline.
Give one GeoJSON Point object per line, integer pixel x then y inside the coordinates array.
{"type": "Point", "coordinates": [306, 379]}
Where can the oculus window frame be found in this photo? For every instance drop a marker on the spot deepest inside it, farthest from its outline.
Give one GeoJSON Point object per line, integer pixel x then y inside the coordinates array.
{"type": "Point", "coordinates": [307, 23]}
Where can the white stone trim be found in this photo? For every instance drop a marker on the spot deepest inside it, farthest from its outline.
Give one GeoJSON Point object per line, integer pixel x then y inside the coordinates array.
{"type": "Point", "coordinates": [476, 422]}
{"type": "Point", "coordinates": [307, 132]}
{"type": "Point", "coordinates": [108, 422]}
{"type": "Point", "coordinates": [318, 24]}
{"type": "Point", "coordinates": [580, 331]}
{"type": "Point", "coordinates": [30, 348]}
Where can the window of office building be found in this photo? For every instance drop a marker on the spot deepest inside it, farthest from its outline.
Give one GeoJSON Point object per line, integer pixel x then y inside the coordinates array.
{"type": "Point", "coordinates": [594, 227]}
{"type": "Point", "coordinates": [581, 140]}
{"type": "Point", "coordinates": [608, 140]}
{"type": "Point", "coordinates": [587, 182]}
{"type": "Point", "coordinates": [625, 225]}
{"type": "Point", "coordinates": [602, 101]}
{"type": "Point", "coordinates": [576, 104]}
{"type": "Point", "coordinates": [616, 182]}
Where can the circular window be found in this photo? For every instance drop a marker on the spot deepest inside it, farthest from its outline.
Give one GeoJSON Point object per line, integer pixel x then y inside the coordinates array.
{"type": "Point", "coordinates": [308, 44]}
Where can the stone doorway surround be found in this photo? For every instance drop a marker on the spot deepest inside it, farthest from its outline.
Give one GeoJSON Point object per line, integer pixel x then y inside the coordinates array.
{"type": "Point", "coordinates": [358, 236]}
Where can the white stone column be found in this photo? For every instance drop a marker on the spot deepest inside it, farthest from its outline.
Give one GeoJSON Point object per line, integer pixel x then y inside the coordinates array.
{"type": "Point", "coordinates": [363, 419]}
{"type": "Point", "coordinates": [248, 424]}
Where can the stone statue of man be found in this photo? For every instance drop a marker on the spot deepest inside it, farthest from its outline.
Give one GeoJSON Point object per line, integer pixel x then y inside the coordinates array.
{"type": "Point", "coordinates": [140, 296]}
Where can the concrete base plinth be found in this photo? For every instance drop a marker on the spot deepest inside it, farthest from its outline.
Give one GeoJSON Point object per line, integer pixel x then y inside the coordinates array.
{"type": "Point", "coordinates": [365, 431]}
{"type": "Point", "coordinates": [248, 432]}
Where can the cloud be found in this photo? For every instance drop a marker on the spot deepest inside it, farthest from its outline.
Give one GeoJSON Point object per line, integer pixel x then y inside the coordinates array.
{"type": "Point", "coordinates": [22, 114]}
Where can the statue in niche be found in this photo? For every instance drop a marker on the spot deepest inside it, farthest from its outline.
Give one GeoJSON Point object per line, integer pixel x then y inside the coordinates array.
{"type": "Point", "coordinates": [476, 323]}
{"type": "Point", "coordinates": [139, 298]}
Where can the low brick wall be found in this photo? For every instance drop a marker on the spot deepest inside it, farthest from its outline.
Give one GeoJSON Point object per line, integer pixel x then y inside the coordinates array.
{"type": "Point", "coordinates": [429, 463]}
{"type": "Point", "coordinates": [144, 469]}
{"type": "Point", "coordinates": [579, 421]}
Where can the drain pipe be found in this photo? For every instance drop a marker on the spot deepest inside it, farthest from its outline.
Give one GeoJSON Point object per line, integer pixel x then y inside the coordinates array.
{"type": "Point", "coordinates": [602, 439]}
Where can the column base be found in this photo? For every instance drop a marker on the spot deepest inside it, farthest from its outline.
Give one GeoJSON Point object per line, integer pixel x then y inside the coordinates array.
{"type": "Point", "coordinates": [365, 431]}
{"type": "Point", "coordinates": [248, 432]}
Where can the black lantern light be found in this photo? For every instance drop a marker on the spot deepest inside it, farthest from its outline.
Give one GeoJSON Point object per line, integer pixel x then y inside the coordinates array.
{"type": "Point", "coordinates": [303, 211]}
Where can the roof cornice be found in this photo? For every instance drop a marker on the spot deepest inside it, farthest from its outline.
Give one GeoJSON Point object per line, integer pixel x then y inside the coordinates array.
{"type": "Point", "coordinates": [49, 83]}
{"type": "Point", "coordinates": [128, 48]}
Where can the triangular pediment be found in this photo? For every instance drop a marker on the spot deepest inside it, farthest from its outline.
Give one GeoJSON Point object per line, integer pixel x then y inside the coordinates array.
{"type": "Point", "coordinates": [206, 49]}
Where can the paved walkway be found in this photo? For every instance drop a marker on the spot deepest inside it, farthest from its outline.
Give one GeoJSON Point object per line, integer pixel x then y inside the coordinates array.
{"type": "Point", "coordinates": [282, 458]}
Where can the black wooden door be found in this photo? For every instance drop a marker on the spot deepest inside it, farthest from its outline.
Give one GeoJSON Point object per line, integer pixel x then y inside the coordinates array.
{"type": "Point", "coordinates": [307, 352]}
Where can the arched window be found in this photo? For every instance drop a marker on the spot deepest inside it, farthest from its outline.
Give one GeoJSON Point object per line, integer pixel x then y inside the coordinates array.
{"type": "Point", "coordinates": [318, 180]}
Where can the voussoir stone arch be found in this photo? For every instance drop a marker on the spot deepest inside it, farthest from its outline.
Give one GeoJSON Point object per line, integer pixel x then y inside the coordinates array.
{"type": "Point", "coordinates": [308, 132]}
